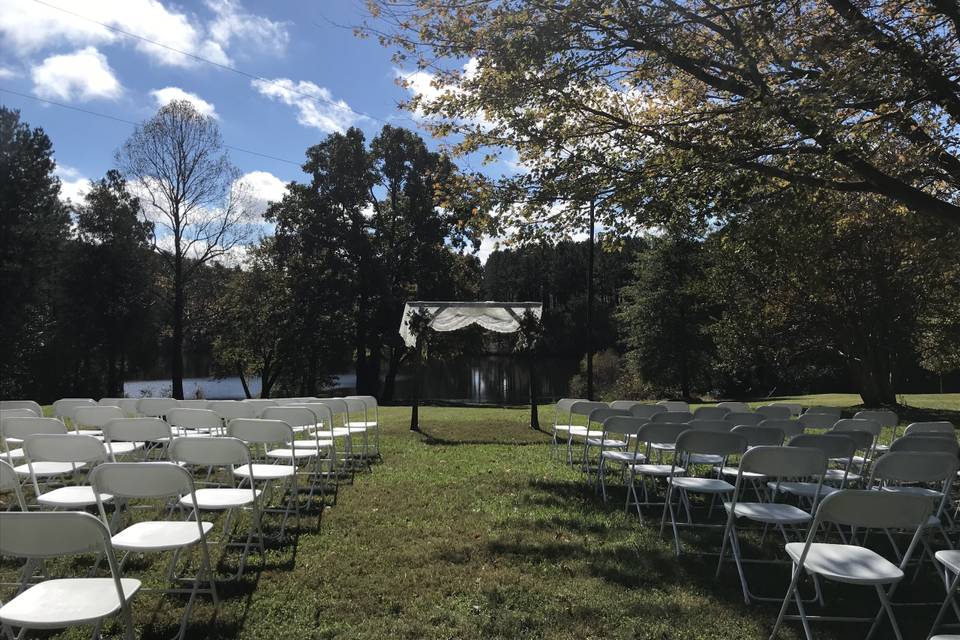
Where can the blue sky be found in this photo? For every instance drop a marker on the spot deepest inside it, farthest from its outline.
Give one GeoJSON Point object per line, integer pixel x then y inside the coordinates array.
{"type": "Point", "coordinates": [49, 53]}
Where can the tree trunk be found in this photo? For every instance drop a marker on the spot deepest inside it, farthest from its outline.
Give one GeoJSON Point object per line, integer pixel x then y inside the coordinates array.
{"type": "Point", "coordinates": [243, 380]}
{"type": "Point", "coordinates": [876, 388]}
{"type": "Point", "coordinates": [390, 380]}
{"type": "Point", "coordinates": [360, 347]}
{"type": "Point", "coordinates": [176, 342]}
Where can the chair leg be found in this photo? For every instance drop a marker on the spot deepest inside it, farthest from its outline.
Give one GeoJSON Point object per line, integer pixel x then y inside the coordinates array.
{"type": "Point", "coordinates": [951, 588]}
{"type": "Point", "coordinates": [786, 601]}
{"type": "Point", "coordinates": [885, 604]}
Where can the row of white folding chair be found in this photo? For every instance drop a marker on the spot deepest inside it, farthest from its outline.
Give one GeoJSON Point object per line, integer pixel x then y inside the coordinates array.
{"type": "Point", "coordinates": [30, 405]}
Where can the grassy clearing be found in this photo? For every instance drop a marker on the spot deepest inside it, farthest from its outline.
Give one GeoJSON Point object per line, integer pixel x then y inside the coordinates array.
{"type": "Point", "coordinates": [470, 530]}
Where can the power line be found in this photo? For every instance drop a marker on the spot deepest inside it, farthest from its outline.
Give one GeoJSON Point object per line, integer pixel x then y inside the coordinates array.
{"type": "Point", "coordinates": [225, 67]}
{"type": "Point", "coordinates": [135, 124]}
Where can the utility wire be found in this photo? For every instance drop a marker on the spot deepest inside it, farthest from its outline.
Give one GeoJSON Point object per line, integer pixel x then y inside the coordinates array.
{"type": "Point", "coordinates": [135, 124]}
{"type": "Point", "coordinates": [225, 67]}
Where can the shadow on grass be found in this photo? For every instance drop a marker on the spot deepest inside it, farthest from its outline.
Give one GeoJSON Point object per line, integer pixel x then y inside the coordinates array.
{"type": "Point", "coordinates": [431, 439]}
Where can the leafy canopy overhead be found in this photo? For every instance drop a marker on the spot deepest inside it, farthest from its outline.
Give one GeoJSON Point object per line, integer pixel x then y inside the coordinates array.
{"type": "Point", "coordinates": [648, 101]}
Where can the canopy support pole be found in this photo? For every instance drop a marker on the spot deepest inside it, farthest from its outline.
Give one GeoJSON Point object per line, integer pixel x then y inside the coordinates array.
{"type": "Point", "coordinates": [418, 373]}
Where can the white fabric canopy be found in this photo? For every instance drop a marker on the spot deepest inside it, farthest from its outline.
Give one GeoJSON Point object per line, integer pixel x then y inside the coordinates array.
{"type": "Point", "coordinates": [503, 317]}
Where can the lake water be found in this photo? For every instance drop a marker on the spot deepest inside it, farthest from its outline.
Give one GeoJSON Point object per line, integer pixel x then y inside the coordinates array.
{"type": "Point", "coordinates": [496, 380]}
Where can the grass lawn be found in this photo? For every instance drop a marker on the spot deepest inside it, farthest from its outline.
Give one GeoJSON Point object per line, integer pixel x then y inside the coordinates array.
{"type": "Point", "coordinates": [470, 530]}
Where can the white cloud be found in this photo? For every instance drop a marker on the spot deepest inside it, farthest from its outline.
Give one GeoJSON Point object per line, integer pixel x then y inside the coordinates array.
{"type": "Point", "coordinates": [73, 185]}
{"type": "Point", "coordinates": [7, 73]}
{"type": "Point", "coordinates": [253, 30]}
{"type": "Point", "coordinates": [81, 75]}
{"type": "Point", "coordinates": [169, 94]}
{"type": "Point", "coordinates": [427, 88]}
{"type": "Point", "coordinates": [315, 106]}
{"type": "Point", "coordinates": [28, 27]}
{"type": "Point", "coordinates": [260, 188]}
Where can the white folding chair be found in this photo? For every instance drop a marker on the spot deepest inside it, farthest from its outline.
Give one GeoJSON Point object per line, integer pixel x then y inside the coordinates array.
{"type": "Point", "coordinates": [795, 407]}
{"type": "Point", "coordinates": [647, 411]}
{"type": "Point", "coordinates": [675, 405]}
{"type": "Point", "coordinates": [851, 563]}
{"type": "Point", "coordinates": [327, 411]}
{"type": "Point", "coordinates": [616, 430]}
{"type": "Point", "coordinates": [735, 407]}
{"type": "Point", "coordinates": [18, 413]}
{"type": "Point", "coordinates": [29, 405]}
{"type": "Point", "coordinates": [63, 602]}
{"type": "Point", "coordinates": [790, 428]}
{"type": "Point", "coordinates": [341, 413]}
{"type": "Point", "coordinates": [694, 442]}
{"type": "Point", "coordinates": [195, 422]}
{"type": "Point", "coordinates": [276, 438]}
{"type": "Point", "coordinates": [10, 483]}
{"type": "Point", "coordinates": [581, 409]}
{"type": "Point", "coordinates": [653, 438]}
{"type": "Point", "coordinates": [15, 430]}
{"type": "Point", "coordinates": [148, 434]}
{"type": "Point", "coordinates": [748, 418]}
{"type": "Point", "coordinates": [90, 420]}
{"type": "Point", "coordinates": [834, 447]}
{"type": "Point", "coordinates": [371, 419]}
{"type": "Point", "coordinates": [156, 481]}
{"type": "Point", "coordinates": [924, 442]}
{"type": "Point", "coordinates": [595, 435]}
{"type": "Point", "coordinates": [929, 428]}
{"type": "Point", "coordinates": [775, 411]}
{"type": "Point", "coordinates": [819, 421]}
{"type": "Point", "coordinates": [303, 421]}
{"type": "Point", "coordinates": [710, 413]}
{"type": "Point", "coordinates": [156, 407]}
{"type": "Point", "coordinates": [129, 406]}
{"type": "Point", "coordinates": [950, 559]}
{"type": "Point", "coordinates": [64, 407]}
{"type": "Point", "coordinates": [226, 454]}
{"type": "Point", "coordinates": [768, 462]}
{"type": "Point", "coordinates": [884, 417]}
{"type": "Point", "coordinates": [62, 457]}
{"type": "Point", "coordinates": [756, 437]}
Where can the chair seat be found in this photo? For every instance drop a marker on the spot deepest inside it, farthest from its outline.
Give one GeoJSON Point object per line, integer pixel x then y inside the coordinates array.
{"type": "Point", "coordinates": [769, 512]}
{"type": "Point", "coordinates": [583, 432]}
{"type": "Point", "coordinates": [663, 446]}
{"type": "Point", "coordinates": [266, 471]}
{"type": "Point", "coordinates": [159, 535]}
{"type": "Point", "coordinates": [370, 424]}
{"type": "Point", "coordinates": [802, 489]}
{"type": "Point", "coordinates": [705, 458]}
{"type": "Point", "coordinates": [732, 472]}
{"type": "Point", "coordinates": [933, 494]}
{"type": "Point", "coordinates": [339, 432]}
{"type": "Point", "coordinates": [881, 448]}
{"type": "Point", "coordinates": [13, 454]}
{"type": "Point", "coordinates": [312, 444]}
{"type": "Point", "coordinates": [55, 604]}
{"type": "Point", "coordinates": [655, 469]}
{"type": "Point", "coordinates": [597, 442]}
{"type": "Point", "coordinates": [219, 499]}
{"type": "Point", "coordinates": [71, 497]}
{"type": "Point", "coordinates": [950, 558]}
{"type": "Point", "coordinates": [702, 485]}
{"type": "Point", "coordinates": [296, 452]}
{"type": "Point", "coordinates": [624, 456]}
{"type": "Point", "coordinates": [837, 475]}
{"type": "Point", "coordinates": [46, 469]}
{"type": "Point", "coordinates": [96, 433]}
{"type": "Point", "coordinates": [123, 448]}
{"type": "Point", "coordinates": [846, 563]}
{"type": "Point", "coordinates": [562, 428]}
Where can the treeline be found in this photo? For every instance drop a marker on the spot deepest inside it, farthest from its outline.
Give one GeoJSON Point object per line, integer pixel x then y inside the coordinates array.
{"type": "Point", "coordinates": [117, 287]}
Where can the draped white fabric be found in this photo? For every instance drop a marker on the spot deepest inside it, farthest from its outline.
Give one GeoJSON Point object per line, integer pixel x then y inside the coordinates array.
{"type": "Point", "coordinates": [450, 316]}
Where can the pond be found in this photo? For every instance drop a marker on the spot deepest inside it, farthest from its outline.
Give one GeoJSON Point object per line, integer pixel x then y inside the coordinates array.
{"type": "Point", "coordinates": [495, 380]}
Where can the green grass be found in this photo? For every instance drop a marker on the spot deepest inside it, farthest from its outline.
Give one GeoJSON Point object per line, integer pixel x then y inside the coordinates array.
{"type": "Point", "coordinates": [470, 530]}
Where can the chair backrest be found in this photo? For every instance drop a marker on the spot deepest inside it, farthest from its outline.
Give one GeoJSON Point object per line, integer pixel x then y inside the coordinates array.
{"type": "Point", "coordinates": [672, 416]}
{"type": "Point", "coordinates": [864, 440]}
{"type": "Point", "coordinates": [136, 430]}
{"type": "Point", "coordinates": [717, 426]}
{"type": "Point", "coordinates": [836, 445]}
{"type": "Point", "coordinates": [109, 402]}
{"type": "Point", "coordinates": [293, 416]}
{"type": "Point", "coordinates": [260, 431]}
{"type": "Point", "coordinates": [915, 466]}
{"type": "Point", "coordinates": [885, 417]}
{"type": "Point", "coordinates": [739, 407]}
{"type": "Point", "coordinates": [338, 407]}
{"type": "Point", "coordinates": [647, 411]}
{"type": "Point", "coordinates": [795, 407]}
{"type": "Point", "coordinates": [661, 432]}
{"type": "Point", "coordinates": [142, 479]}
{"type": "Point", "coordinates": [129, 406]}
{"type": "Point", "coordinates": [564, 405]}
{"type": "Point", "coordinates": [711, 442]}
{"type": "Point", "coordinates": [858, 424]}
{"type": "Point", "coordinates": [774, 411]}
{"type": "Point", "coordinates": [18, 413]}
{"type": "Point", "coordinates": [585, 407]}
{"type": "Point", "coordinates": [737, 418]}
{"type": "Point", "coordinates": [23, 427]}
{"type": "Point", "coordinates": [825, 411]}
{"type": "Point", "coordinates": [760, 436]}
{"type": "Point", "coordinates": [710, 413]}
{"type": "Point", "coordinates": [817, 420]}
{"type": "Point", "coordinates": [601, 414]}
{"type": "Point", "coordinates": [48, 534]}
{"type": "Point", "coordinates": [64, 407]}
{"type": "Point", "coordinates": [926, 443]}
{"type": "Point", "coordinates": [156, 407]}
{"type": "Point", "coordinates": [356, 405]}
{"type": "Point", "coordinates": [22, 404]}
{"type": "Point", "coordinates": [784, 462]}
{"type": "Point", "coordinates": [95, 417]}
{"type": "Point", "coordinates": [230, 409]}
{"type": "Point", "coordinates": [194, 404]}
{"type": "Point", "coordinates": [874, 509]}
{"type": "Point", "coordinates": [937, 426]}
{"type": "Point", "coordinates": [209, 451]}
{"type": "Point", "coordinates": [790, 428]}
{"type": "Point", "coordinates": [259, 404]}
{"type": "Point", "coordinates": [623, 425]}
{"type": "Point", "coordinates": [675, 405]}
{"type": "Point", "coordinates": [64, 448]}
{"type": "Point", "coordinates": [322, 413]}
{"type": "Point", "coordinates": [371, 407]}
{"type": "Point", "coordinates": [10, 483]}
{"type": "Point", "coordinates": [194, 419]}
